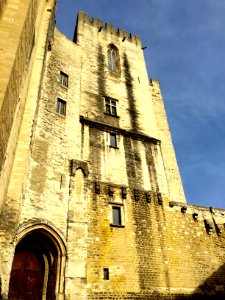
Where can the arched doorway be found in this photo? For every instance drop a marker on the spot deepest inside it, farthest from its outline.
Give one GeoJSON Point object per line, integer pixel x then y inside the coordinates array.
{"type": "Point", "coordinates": [37, 267]}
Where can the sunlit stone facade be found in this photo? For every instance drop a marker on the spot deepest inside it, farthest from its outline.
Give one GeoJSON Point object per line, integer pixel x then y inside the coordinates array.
{"type": "Point", "coordinates": [92, 204]}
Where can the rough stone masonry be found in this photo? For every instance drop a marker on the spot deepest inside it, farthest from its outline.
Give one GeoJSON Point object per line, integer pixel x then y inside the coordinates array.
{"type": "Point", "coordinates": [92, 203]}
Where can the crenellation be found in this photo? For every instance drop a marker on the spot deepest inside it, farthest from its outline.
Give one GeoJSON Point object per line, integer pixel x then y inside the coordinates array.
{"type": "Point", "coordinates": [110, 29]}
{"type": "Point", "coordinates": [97, 23]}
{"type": "Point", "coordinates": [135, 39]}
{"type": "Point", "coordinates": [106, 29]}
{"type": "Point", "coordinates": [123, 34]}
{"type": "Point", "coordinates": [84, 18]}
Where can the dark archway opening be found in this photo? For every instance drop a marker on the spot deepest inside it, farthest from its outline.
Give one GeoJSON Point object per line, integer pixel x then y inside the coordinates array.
{"type": "Point", "coordinates": [35, 268]}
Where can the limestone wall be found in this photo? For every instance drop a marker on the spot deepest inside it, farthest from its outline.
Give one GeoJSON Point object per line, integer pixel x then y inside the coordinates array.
{"type": "Point", "coordinates": [195, 241]}
{"type": "Point", "coordinates": [139, 109]}
{"type": "Point", "coordinates": [20, 30]}
{"type": "Point", "coordinates": [15, 60]}
{"type": "Point", "coordinates": [128, 84]}
{"type": "Point", "coordinates": [23, 65]}
{"type": "Point", "coordinates": [69, 177]}
{"type": "Point", "coordinates": [168, 251]}
{"type": "Point", "coordinates": [175, 186]}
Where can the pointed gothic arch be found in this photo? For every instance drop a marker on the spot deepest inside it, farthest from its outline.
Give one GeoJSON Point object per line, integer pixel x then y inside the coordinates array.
{"type": "Point", "coordinates": [113, 61]}
{"type": "Point", "coordinates": [38, 265]}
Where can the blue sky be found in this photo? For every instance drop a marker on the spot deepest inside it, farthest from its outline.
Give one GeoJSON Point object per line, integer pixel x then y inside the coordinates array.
{"type": "Point", "coordinates": [186, 51]}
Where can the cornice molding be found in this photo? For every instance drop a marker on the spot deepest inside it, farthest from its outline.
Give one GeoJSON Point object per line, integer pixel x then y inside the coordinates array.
{"type": "Point", "coordinates": [124, 132]}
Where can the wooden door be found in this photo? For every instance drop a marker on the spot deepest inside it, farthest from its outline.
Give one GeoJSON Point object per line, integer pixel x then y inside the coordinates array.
{"type": "Point", "coordinates": [26, 281]}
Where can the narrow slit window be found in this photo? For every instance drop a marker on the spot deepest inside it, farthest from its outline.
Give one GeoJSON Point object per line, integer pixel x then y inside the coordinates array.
{"type": "Point", "coordinates": [111, 59]}
{"type": "Point", "coordinates": [106, 273]}
{"type": "Point", "coordinates": [61, 107]}
{"type": "Point", "coordinates": [63, 79]}
{"type": "Point", "coordinates": [113, 142]}
{"type": "Point", "coordinates": [113, 55]}
{"type": "Point", "coordinates": [116, 211]}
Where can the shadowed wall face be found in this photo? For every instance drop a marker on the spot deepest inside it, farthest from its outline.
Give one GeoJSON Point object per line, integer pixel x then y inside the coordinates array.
{"type": "Point", "coordinates": [20, 28]}
{"type": "Point", "coordinates": [130, 94]}
{"type": "Point", "coordinates": [15, 60]}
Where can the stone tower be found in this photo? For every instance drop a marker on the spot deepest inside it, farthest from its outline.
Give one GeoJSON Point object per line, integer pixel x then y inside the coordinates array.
{"type": "Point", "coordinates": [93, 204]}
{"type": "Point", "coordinates": [26, 30]}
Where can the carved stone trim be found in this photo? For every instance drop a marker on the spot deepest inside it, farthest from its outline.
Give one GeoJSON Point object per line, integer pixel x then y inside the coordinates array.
{"type": "Point", "coordinates": [136, 194]}
{"type": "Point", "coordinates": [77, 164]}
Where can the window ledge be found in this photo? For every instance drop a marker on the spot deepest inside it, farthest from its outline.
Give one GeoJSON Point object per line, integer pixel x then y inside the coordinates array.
{"type": "Point", "coordinates": [114, 116]}
{"type": "Point", "coordinates": [116, 203]}
{"type": "Point", "coordinates": [60, 115]}
{"type": "Point", "coordinates": [115, 73]}
{"type": "Point", "coordinates": [113, 147]}
{"type": "Point", "coordinates": [118, 226]}
{"type": "Point", "coordinates": [106, 127]}
{"type": "Point", "coordinates": [63, 86]}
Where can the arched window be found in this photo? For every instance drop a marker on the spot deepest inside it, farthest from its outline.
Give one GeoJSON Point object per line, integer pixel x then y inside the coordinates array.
{"type": "Point", "coordinates": [111, 54]}
{"type": "Point", "coordinates": [113, 59]}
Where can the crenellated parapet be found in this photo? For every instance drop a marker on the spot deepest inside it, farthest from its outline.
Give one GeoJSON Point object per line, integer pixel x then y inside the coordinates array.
{"type": "Point", "coordinates": [106, 28]}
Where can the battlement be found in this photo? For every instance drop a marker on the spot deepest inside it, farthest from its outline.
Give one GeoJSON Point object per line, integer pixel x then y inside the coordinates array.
{"type": "Point", "coordinates": [106, 28]}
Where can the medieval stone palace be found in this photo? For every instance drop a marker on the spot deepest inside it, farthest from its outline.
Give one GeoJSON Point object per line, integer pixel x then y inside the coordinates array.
{"type": "Point", "coordinates": [91, 200]}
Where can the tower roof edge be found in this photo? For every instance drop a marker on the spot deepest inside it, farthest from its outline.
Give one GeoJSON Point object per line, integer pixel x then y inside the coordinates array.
{"type": "Point", "coordinates": [83, 18]}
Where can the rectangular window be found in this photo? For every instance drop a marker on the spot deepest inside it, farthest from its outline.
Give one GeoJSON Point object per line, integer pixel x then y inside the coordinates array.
{"type": "Point", "coordinates": [116, 210]}
{"type": "Point", "coordinates": [106, 273]}
{"type": "Point", "coordinates": [113, 140]}
{"type": "Point", "coordinates": [63, 79]}
{"type": "Point", "coordinates": [110, 106]}
{"type": "Point", "coordinates": [107, 106]}
{"type": "Point", "coordinates": [61, 107]}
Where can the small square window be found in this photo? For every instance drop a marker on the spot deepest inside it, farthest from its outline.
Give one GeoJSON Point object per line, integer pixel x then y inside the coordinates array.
{"type": "Point", "coordinates": [113, 140]}
{"type": "Point", "coordinates": [61, 107]}
{"type": "Point", "coordinates": [116, 211]}
{"type": "Point", "coordinates": [106, 273]}
{"type": "Point", "coordinates": [63, 79]}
